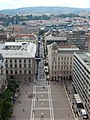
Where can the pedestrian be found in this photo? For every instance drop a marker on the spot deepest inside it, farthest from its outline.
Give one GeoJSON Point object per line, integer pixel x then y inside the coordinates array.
{"type": "Point", "coordinates": [48, 83]}
{"type": "Point", "coordinates": [37, 99]}
{"type": "Point", "coordinates": [68, 114]}
{"type": "Point", "coordinates": [41, 115]}
{"type": "Point", "coordinates": [19, 101]}
{"type": "Point", "coordinates": [23, 110]}
{"type": "Point", "coordinates": [43, 87]}
{"type": "Point", "coordinates": [33, 111]}
{"type": "Point", "coordinates": [53, 83]}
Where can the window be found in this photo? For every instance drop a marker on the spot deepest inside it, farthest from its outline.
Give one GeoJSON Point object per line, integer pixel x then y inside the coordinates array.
{"type": "Point", "coordinates": [15, 65]}
{"type": "Point", "coordinates": [15, 71]}
{"type": "Point", "coordinates": [20, 65]}
{"type": "Point", "coordinates": [6, 71]}
{"type": "Point", "coordinates": [24, 65]}
{"type": "Point", "coordinates": [11, 66]}
{"type": "Point", "coordinates": [59, 58]}
{"type": "Point", "coordinates": [20, 71]}
{"type": "Point", "coordinates": [24, 71]}
{"type": "Point", "coordinates": [29, 61]}
{"type": "Point", "coordinates": [55, 67]}
{"type": "Point", "coordinates": [29, 71]}
{"type": "Point", "coordinates": [15, 60]}
{"type": "Point", "coordinates": [24, 60]}
{"type": "Point", "coordinates": [11, 71]}
{"type": "Point", "coordinates": [20, 61]}
{"type": "Point", "coordinates": [71, 58]}
{"type": "Point", "coordinates": [29, 65]}
{"type": "Point", "coordinates": [67, 58]}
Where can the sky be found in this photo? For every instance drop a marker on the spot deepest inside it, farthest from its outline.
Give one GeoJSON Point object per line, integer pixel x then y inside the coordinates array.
{"type": "Point", "coordinates": [12, 4]}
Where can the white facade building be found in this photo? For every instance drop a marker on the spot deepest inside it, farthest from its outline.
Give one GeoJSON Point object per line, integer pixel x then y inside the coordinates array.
{"type": "Point", "coordinates": [60, 59]}
{"type": "Point", "coordinates": [20, 60]}
{"type": "Point", "coordinates": [26, 38]}
{"type": "Point", "coordinates": [81, 77]}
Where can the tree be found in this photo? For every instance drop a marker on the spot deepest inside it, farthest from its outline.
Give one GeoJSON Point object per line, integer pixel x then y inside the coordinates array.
{"type": "Point", "coordinates": [5, 109]}
{"type": "Point", "coordinates": [5, 105]}
{"type": "Point", "coordinates": [13, 85]}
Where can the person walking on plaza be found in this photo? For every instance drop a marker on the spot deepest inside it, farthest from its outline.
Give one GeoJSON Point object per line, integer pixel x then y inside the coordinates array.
{"type": "Point", "coordinates": [23, 110]}
{"type": "Point", "coordinates": [42, 115]}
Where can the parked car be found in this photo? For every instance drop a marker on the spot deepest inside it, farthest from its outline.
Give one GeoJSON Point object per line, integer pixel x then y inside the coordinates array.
{"type": "Point", "coordinates": [46, 69]}
{"type": "Point", "coordinates": [48, 78]}
{"type": "Point", "coordinates": [45, 62]}
{"type": "Point", "coordinates": [84, 113]}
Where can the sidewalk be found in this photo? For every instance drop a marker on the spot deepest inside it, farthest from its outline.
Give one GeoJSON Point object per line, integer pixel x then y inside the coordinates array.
{"type": "Point", "coordinates": [70, 95]}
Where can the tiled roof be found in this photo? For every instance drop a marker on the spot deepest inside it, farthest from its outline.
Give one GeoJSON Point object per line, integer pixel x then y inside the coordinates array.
{"type": "Point", "coordinates": [26, 35]}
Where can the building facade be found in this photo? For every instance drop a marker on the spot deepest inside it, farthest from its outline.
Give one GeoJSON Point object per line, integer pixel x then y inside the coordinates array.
{"type": "Point", "coordinates": [60, 59]}
{"type": "Point", "coordinates": [20, 61]}
{"type": "Point", "coordinates": [77, 38]}
{"type": "Point", "coordinates": [81, 77]}
{"type": "Point", "coordinates": [26, 38]}
{"type": "Point", "coordinates": [2, 73]}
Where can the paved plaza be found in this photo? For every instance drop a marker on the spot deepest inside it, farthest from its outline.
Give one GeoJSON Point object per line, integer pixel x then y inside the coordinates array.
{"type": "Point", "coordinates": [51, 101]}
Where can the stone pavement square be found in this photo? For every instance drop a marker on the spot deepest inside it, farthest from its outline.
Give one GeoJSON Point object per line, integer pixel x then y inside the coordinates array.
{"type": "Point", "coordinates": [46, 113]}
{"type": "Point", "coordinates": [41, 104]}
{"type": "Point", "coordinates": [41, 89]}
{"type": "Point", "coordinates": [58, 95]}
{"type": "Point", "coordinates": [42, 95]}
{"type": "Point", "coordinates": [25, 103]}
{"type": "Point", "coordinates": [60, 103]}
{"type": "Point", "coordinates": [62, 114]}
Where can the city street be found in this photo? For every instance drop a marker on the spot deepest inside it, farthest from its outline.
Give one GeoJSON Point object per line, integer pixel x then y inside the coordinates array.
{"type": "Point", "coordinates": [42, 100]}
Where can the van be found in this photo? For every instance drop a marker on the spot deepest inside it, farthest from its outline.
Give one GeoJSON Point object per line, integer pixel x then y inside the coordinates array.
{"type": "Point", "coordinates": [84, 114]}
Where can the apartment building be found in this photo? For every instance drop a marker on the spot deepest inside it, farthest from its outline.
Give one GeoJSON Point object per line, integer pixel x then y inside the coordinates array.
{"type": "Point", "coordinates": [77, 38]}
{"type": "Point", "coordinates": [60, 59]}
{"type": "Point", "coordinates": [56, 36]}
{"type": "Point", "coordinates": [81, 77]}
{"type": "Point", "coordinates": [2, 73]}
{"type": "Point", "coordinates": [20, 60]}
{"type": "Point", "coordinates": [26, 38]}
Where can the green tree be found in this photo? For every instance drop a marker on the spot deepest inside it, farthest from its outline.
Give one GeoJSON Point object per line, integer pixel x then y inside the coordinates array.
{"type": "Point", "coordinates": [5, 109]}
{"type": "Point", "coordinates": [5, 105]}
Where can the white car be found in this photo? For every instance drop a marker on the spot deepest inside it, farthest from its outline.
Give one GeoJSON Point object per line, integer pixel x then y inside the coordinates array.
{"type": "Point", "coordinates": [84, 114]}
{"type": "Point", "coordinates": [46, 69]}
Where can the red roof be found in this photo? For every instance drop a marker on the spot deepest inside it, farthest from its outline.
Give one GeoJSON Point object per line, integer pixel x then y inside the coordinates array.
{"type": "Point", "coordinates": [25, 35]}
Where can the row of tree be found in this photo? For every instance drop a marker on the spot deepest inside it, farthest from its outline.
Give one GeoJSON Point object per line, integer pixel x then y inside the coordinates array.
{"type": "Point", "coordinates": [6, 100]}
{"type": "Point", "coordinates": [17, 18]}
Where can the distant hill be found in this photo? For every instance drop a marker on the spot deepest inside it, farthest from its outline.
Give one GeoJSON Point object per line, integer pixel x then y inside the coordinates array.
{"type": "Point", "coordinates": [42, 10]}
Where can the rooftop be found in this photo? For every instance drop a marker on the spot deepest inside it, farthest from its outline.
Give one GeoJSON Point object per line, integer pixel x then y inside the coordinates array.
{"type": "Point", "coordinates": [50, 37]}
{"type": "Point", "coordinates": [63, 46]}
{"type": "Point", "coordinates": [25, 36]}
{"type": "Point", "coordinates": [85, 58]}
{"type": "Point", "coordinates": [27, 50]}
